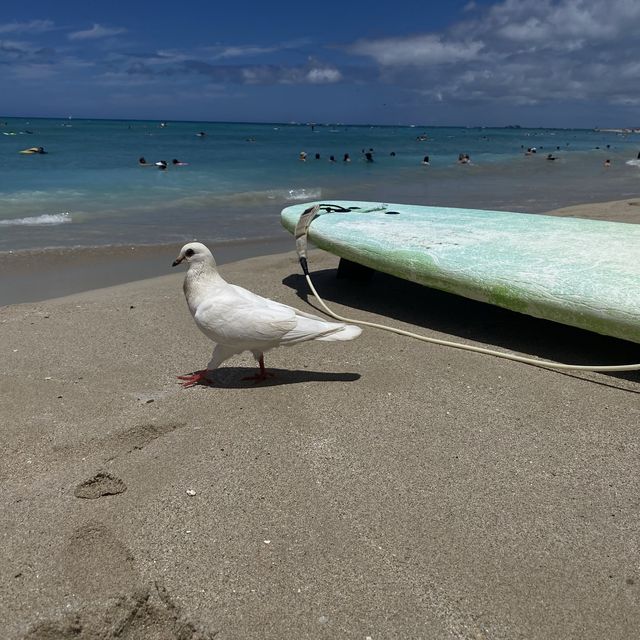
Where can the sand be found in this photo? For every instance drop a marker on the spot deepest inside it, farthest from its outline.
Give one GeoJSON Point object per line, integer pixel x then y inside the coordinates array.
{"type": "Point", "coordinates": [627, 210]}
{"type": "Point", "coordinates": [42, 274]}
{"type": "Point", "coordinates": [378, 488]}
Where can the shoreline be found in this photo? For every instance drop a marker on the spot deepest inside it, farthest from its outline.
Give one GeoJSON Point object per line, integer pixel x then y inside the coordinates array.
{"type": "Point", "coordinates": [35, 275]}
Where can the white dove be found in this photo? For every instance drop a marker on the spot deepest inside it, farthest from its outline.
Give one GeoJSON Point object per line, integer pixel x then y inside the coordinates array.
{"type": "Point", "coordinates": [238, 320]}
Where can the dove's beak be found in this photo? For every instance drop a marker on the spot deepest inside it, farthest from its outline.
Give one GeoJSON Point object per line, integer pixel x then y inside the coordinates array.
{"type": "Point", "coordinates": [177, 261]}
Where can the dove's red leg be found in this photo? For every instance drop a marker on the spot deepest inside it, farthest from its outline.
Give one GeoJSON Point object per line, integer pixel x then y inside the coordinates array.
{"type": "Point", "coordinates": [263, 375]}
{"type": "Point", "coordinates": [197, 377]}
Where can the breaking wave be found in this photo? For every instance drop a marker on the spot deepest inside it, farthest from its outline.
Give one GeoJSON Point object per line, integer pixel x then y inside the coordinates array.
{"type": "Point", "coordinates": [304, 194]}
{"type": "Point", "coordinates": [45, 219]}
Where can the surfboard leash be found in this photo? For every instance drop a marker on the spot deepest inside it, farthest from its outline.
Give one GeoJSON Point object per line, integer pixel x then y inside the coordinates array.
{"type": "Point", "coordinates": [301, 234]}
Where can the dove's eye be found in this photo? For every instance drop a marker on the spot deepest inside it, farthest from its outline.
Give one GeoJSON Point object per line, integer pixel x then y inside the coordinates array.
{"type": "Point", "coordinates": [189, 253]}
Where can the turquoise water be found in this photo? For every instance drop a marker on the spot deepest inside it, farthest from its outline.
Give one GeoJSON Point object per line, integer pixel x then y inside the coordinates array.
{"type": "Point", "coordinates": [89, 190]}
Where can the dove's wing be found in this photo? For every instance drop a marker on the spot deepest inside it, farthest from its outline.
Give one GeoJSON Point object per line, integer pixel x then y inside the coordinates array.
{"type": "Point", "coordinates": [307, 325]}
{"type": "Point", "coordinates": [230, 318]}
{"type": "Point", "coordinates": [250, 296]}
{"type": "Point", "coordinates": [237, 317]}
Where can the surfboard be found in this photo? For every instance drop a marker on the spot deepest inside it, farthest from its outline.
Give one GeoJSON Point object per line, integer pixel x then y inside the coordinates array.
{"type": "Point", "coordinates": [583, 273]}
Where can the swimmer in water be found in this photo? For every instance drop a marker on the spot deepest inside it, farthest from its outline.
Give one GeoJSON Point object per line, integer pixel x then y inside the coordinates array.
{"type": "Point", "coordinates": [425, 160]}
{"type": "Point", "coordinates": [177, 163]}
{"type": "Point", "coordinates": [607, 163]}
{"type": "Point", "coordinates": [161, 164]}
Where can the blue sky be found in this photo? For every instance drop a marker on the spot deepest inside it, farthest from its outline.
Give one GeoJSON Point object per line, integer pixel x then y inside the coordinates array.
{"type": "Point", "coordinates": [453, 62]}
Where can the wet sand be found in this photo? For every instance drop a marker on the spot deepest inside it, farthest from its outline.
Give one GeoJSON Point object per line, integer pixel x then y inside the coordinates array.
{"type": "Point", "coordinates": [378, 488]}
{"type": "Point", "coordinates": [42, 274]}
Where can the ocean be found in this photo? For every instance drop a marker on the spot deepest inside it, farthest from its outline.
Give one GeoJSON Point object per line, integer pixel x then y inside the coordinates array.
{"type": "Point", "coordinates": [88, 190]}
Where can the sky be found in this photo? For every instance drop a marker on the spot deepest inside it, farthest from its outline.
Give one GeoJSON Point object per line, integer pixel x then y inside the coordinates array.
{"type": "Point", "coordinates": [552, 63]}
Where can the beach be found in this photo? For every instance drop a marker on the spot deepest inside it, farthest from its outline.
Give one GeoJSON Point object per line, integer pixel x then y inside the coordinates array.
{"type": "Point", "coordinates": [40, 274]}
{"type": "Point", "coordinates": [379, 488]}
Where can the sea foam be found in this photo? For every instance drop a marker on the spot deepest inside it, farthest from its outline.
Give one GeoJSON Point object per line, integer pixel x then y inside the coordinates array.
{"type": "Point", "coordinates": [303, 194]}
{"type": "Point", "coordinates": [45, 219]}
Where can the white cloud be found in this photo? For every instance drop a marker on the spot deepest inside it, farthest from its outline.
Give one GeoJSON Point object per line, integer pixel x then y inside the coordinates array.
{"type": "Point", "coordinates": [221, 52]}
{"type": "Point", "coordinates": [34, 26]}
{"type": "Point", "coordinates": [165, 57]}
{"type": "Point", "coordinates": [520, 52]}
{"type": "Point", "coordinates": [543, 21]}
{"type": "Point", "coordinates": [15, 47]}
{"type": "Point", "coordinates": [428, 49]}
{"type": "Point", "coordinates": [97, 31]}
{"type": "Point", "coordinates": [245, 51]}
{"type": "Point", "coordinates": [323, 76]}
{"type": "Point", "coordinates": [257, 75]}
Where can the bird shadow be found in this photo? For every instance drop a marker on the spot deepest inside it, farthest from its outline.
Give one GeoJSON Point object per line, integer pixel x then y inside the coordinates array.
{"type": "Point", "coordinates": [236, 377]}
{"type": "Point", "coordinates": [460, 317]}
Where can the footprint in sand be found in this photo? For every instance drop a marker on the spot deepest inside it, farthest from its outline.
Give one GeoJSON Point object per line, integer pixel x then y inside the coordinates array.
{"type": "Point", "coordinates": [148, 614]}
{"type": "Point", "coordinates": [116, 603]}
{"type": "Point", "coordinates": [96, 564]}
{"type": "Point", "coordinates": [137, 438]}
{"type": "Point", "coordinates": [102, 484]}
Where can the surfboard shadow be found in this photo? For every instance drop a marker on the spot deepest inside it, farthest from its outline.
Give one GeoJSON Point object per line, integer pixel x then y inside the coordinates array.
{"type": "Point", "coordinates": [232, 377]}
{"type": "Point", "coordinates": [460, 317]}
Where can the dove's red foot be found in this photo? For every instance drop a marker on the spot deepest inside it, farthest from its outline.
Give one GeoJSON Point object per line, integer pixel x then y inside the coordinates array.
{"type": "Point", "coordinates": [262, 375]}
{"type": "Point", "coordinates": [197, 377]}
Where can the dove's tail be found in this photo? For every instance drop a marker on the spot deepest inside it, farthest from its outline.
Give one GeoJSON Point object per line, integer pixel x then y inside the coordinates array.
{"type": "Point", "coordinates": [346, 332]}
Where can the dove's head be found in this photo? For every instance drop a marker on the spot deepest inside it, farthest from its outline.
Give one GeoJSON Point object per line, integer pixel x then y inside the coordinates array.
{"type": "Point", "coordinates": [194, 252]}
